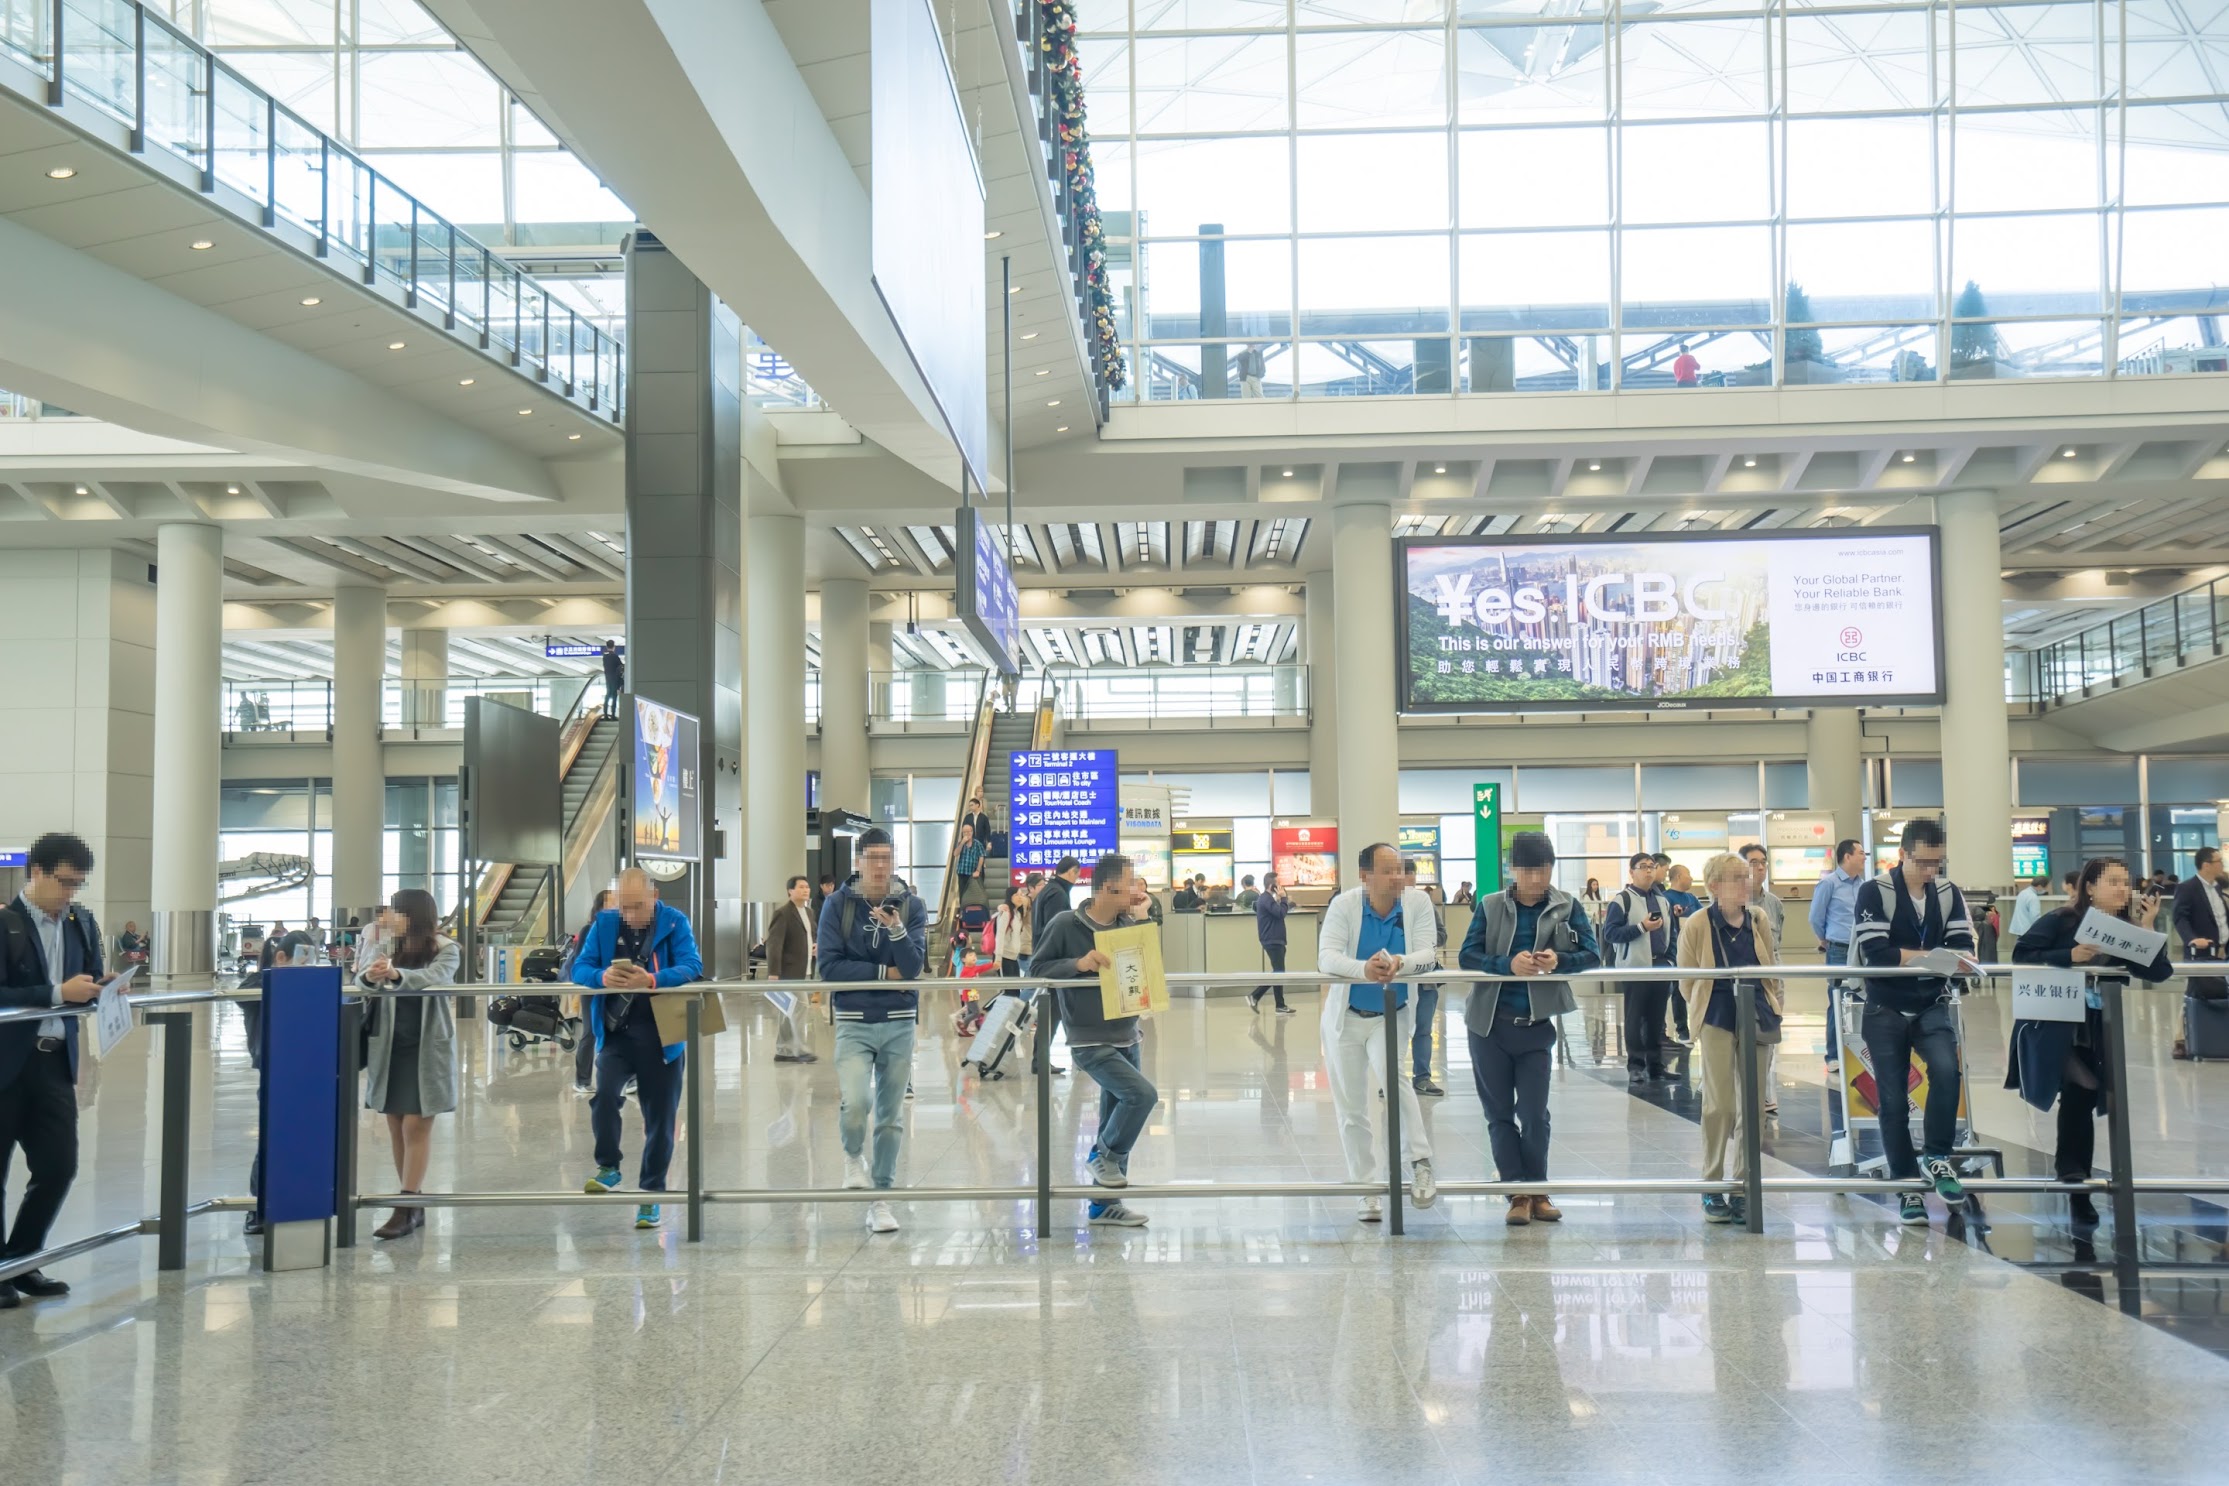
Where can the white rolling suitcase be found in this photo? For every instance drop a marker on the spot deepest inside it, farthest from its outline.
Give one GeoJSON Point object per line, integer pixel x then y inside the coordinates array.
{"type": "Point", "coordinates": [1005, 1022]}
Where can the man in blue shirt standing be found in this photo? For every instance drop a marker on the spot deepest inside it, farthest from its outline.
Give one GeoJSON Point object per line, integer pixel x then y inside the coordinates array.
{"type": "Point", "coordinates": [1366, 938]}
{"type": "Point", "coordinates": [1834, 915]}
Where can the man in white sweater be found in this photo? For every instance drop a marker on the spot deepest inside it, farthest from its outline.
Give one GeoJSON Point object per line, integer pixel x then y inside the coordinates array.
{"type": "Point", "coordinates": [1365, 939]}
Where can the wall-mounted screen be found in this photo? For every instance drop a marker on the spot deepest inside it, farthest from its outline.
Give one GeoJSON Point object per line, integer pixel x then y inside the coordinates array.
{"type": "Point", "coordinates": [510, 757]}
{"type": "Point", "coordinates": [1816, 617]}
{"type": "Point", "coordinates": [984, 594]}
{"type": "Point", "coordinates": [664, 784]}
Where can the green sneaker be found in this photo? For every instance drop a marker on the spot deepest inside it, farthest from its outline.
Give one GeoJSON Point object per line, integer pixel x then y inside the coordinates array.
{"type": "Point", "coordinates": [1945, 1177]}
{"type": "Point", "coordinates": [1912, 1209]}
{"type": "Point", "coordinates": [605, 1179]}
{"type": "Point", "coordinates": [646, 1216]}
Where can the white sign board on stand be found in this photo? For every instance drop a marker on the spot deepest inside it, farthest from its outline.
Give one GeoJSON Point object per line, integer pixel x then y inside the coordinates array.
{"type": "Point", "coordinates": [2041, 993]}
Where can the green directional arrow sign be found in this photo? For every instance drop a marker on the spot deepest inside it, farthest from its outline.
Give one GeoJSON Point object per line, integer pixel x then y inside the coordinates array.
{"type": "Point", "coordinates": [1486, 821]}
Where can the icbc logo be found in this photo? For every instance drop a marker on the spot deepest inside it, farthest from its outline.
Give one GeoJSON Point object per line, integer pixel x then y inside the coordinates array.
{"type": "Point", "coordinates": [1852, 637]}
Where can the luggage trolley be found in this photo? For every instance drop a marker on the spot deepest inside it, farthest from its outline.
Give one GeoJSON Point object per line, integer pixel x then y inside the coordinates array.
{"type": "Point", "coordinates": [1853, 1122]}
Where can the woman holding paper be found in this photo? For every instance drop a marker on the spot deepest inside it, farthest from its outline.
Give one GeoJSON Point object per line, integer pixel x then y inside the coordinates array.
{"type": "Point", "coordinates": [2064, 1061]}
{"type": "Point", "coordinates": [410, 1071]}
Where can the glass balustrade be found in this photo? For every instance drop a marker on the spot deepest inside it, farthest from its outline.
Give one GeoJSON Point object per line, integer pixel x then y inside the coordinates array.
{"type": "Point", "coordinates": [2127, 645]}
{"type": "Point", "coordinates": [254, 705]}
{"type": "Point", "coordinates": [1187, 694]}
{"type": "Point", "coordinates": [126, 61]}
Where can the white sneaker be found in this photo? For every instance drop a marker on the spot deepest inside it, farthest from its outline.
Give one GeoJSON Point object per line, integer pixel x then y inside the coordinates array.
{"type": "Point", "coordinates": [1105, 1173]}
{"type": "Point", "coordinates": [1423, 1190]}
{"type": "Point", "coordinates": [1370, 1210]}
{"type": "Point", "coordinates": [880, 1219]}
{"type": "Point", "coordinates": [856, 1176]}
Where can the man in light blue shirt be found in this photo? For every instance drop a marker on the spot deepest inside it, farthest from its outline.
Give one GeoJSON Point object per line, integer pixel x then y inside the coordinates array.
{"type": "Point", "coordinates": [1834, 903]}
{"type": "Point", "coordinates": [1376, 939]}
{"type": "Point", "coordinates": [2028, 907]}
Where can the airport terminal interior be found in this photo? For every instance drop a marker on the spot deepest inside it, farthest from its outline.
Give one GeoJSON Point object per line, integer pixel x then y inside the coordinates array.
{"type": "Point", "coordinates": [1348, 741]}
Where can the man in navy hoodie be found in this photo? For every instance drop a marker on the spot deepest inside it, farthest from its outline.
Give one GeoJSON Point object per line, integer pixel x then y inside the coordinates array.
{"type": "Point", "coordinates": [873, 928]}
{"type": "Point", "coordinates": [640, 945]}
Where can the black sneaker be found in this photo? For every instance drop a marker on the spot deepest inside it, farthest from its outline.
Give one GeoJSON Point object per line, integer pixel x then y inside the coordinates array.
{"type": "Point", "coordinates": [38, 1286]}
{"type": "Point", "coordinates": [1426, 1089]}
{"type": "Point", "coordinates": [2083, 1210]}
{"type": "Point", "coordinates": [1717, 1208]}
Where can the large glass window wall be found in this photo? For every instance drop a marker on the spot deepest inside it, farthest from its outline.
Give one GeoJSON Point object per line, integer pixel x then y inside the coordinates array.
{"type": "Point", "coordinates": [1328, 198]}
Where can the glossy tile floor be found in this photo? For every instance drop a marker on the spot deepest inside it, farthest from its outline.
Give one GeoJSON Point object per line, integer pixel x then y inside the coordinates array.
{"type": "Point", "coordinates": [1230, 1341]}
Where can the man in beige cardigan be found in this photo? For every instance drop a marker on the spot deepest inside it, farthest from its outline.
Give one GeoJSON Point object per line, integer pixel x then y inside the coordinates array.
{"type": "Point", "coordinates": [1731, 933]}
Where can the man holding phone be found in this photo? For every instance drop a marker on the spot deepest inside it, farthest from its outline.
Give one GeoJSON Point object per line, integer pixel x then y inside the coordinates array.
{"type": "Point", "coordinates": [1637, 931]}
{"type": "Point", "coordinates": [641, 945]}
{"type": "Point", "coordinates": [874, 928]}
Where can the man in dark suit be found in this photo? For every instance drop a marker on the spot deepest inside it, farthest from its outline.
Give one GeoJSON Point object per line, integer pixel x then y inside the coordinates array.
{"type": "Point", "coordinates": [50, 955]}
{"type": "Point", "coordinates": [2201, 916]}
{"type": "Point", "coordinates": [978, 820]}
{"type": "Point", "coordinates": [789, 956]}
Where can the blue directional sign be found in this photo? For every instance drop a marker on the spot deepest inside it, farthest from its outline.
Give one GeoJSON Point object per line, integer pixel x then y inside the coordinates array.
{"type": "Point", "coordinates": [1066, 802]}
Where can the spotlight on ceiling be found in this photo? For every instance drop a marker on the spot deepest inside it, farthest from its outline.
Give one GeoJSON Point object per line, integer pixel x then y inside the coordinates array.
{"type": "Point", "coordinates": [61, 172]}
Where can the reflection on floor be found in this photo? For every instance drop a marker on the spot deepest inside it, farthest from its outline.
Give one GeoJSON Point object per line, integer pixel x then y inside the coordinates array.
{"type": "Point", "coordinates": [1230, 1341]}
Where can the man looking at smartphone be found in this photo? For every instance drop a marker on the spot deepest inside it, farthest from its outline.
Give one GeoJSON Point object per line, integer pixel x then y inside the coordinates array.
{"type": "Point", "coordinates": [873, 928]}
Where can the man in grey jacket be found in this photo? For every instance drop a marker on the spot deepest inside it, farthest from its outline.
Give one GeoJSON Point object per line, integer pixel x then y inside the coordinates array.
{"type": "Point", "coordinates": [1066, 949]}
{"type": "Point", "coordinates": [1531, 930]}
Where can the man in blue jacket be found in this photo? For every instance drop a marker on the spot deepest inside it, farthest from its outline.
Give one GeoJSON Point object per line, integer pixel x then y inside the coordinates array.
{"type": "Point", "coordinates": [873, 928]}
{"type": "Point", "coordinates": [638, 946]}
{"type": "Point", "coordinates": [1270, 907]}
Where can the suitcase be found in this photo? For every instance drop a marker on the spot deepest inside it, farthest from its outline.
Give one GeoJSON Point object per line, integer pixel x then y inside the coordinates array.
{"type": "Point", "coordinates": [2206, 1028]}
{"type": "Point", "coordinates": [1005, 1021]}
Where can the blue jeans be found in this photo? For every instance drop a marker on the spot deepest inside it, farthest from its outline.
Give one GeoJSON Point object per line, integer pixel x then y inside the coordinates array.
{"type": "Point", "coordinates": [631, 1050]}
{"type": "Point", "coordinates": [874, 1061]}
{"type": "Point", "coordinates": [1420, 1042]}
{"type": "Point", "coordinates": [1126, 1101]}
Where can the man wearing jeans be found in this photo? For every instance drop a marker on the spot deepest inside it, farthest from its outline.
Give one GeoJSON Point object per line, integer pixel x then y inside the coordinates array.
{"type": "Point", "coordinates": [1909, 911]}
{"type": "Point", "coordinates": [1270, 907]}
{"type": "Point", "coordinates": [1834, 914]}
{"type": "Point", "coordinates": [1427, 1002]}
{"type": "Point", "coordinates": [873, 928]}
{"type": "Point", "coordinates": [1105, 1048]}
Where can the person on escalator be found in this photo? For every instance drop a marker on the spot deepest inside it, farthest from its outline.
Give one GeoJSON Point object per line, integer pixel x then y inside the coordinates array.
{"type": "Point", "coordinates": [615, 677]}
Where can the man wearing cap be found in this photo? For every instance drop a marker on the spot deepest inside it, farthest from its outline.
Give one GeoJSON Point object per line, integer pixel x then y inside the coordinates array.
{"type": "Point", "coordinates": [1529, 931]}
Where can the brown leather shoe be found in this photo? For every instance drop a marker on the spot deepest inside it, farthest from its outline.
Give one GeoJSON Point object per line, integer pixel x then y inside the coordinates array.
{"type": "Point", "coordinates": [397, 1224]}
{"type": "Point", "coordinates": [1520, 1211]}
{"type": "Point", "coordinates": [1544, 1211]}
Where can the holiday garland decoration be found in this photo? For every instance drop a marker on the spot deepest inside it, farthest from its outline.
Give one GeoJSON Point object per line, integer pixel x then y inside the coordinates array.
{"type": "Point", "coordinates": [1064, 71]}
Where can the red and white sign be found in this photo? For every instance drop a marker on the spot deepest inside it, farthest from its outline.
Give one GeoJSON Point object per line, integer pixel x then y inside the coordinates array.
{"type": "Point", "coordinates": [1305, 856]}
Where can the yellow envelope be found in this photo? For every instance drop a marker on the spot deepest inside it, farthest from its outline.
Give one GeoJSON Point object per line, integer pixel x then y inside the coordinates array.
{"type": "Point", "coordinates": [1133, 983]}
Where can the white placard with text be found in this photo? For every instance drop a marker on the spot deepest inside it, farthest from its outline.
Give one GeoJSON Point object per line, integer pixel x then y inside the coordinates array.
{"type": "Point", "coordinates": [112, 1014]}
{"type": "Point", "coordinates": [2041, 993]}
{"type": "Point", "coordinates": [2120, 938]}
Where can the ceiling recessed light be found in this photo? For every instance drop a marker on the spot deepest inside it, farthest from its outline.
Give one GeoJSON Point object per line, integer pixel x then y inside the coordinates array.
{"type": "Point", "coordinates": [311, 299]}
{"type": "Point", "coordinates": [1750, 463]}
{"type": "Point", "coordinates": [1439, 469]}
{"type": "Point", "coordinates": [464, 381]}
{"type": "Point", "coordinates": [1910, 457]}
{"type": "Point", "coordinates": [1029, 335]}
{"type": "Point", "coordinates": [1054, 403]}
{"type": "Point", "coordinates": [202, 245]}
{"type": "Point", "coordinates": [573, 437]}
{"type": "Point", "coordinates": [1044, 371]}
{"type": "Point", "coordinates": [526, 412]}
{"type": "Point", "coordinates": [396, 345]}
{"type": "Point", "coordinates": [2069, 454]}
{"type": "Point", "coordinates": [232, 490]}
{"type": "Point", "coordinates": [994, 232]}
{"type": "Point", "coordinates": [1595, 465]}
{"type": "Point", "coordinates": [81, 490]}
{"type": "Point", "coordinates": [61, 172]}
{"type": "Point", "coordinates": [1288, 474]}
{"type": "Point", "coordinates": [1062, 429]}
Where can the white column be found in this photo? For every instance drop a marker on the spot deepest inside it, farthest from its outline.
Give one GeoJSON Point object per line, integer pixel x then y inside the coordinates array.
{"type": "Point", "coordinates": [425, 669]}
{"type": "Point", "coordinates": [189, 650]}
{"type": "Point", "coordinates": [881, 663]}
{"type": "Point", "coordinates": [1977, 731]}
{"type": "Point", "coordinates": [843, 694]}
{"type": "Point", "coordinates": [1319, 647]}
{"type": "Point", "coordinates": [1368, 733]}
{"type": "Point", "coordinates": [774, 705]}
{"type": "Point", "coordinates": [359, 775]}
{"type": "Point", "coordinates": [1834, 769]}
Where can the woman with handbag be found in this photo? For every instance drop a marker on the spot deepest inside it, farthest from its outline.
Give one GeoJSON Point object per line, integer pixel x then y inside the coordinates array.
{"type": "Point", "coordinates": [410, 1065]}
{"type": "Point", "coordinates": [1731, 934]}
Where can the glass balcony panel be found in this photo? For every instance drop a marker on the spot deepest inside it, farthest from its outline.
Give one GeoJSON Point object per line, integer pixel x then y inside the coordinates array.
{"type": "Point", "coordinates": [99, 61]}
{"type": "Point", "coordinates": [243, 135]}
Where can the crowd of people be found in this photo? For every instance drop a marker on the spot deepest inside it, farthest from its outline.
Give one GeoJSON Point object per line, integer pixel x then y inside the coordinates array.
{"type": "Point", "coordinates": [1380, 942]}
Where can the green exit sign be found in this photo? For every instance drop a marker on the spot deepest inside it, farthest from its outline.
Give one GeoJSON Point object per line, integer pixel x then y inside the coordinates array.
{"type": "Point", "coordinates": [1486, 822]}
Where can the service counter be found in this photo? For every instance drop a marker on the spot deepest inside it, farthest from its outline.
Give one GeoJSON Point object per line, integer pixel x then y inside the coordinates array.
{"type": "Point", "coordinates": [1204, 943]}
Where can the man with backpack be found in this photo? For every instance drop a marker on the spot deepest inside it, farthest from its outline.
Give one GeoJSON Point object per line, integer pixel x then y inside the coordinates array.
{"type": "Point", "coordinates": [50, 955]}
{"type": "Point", "coordinates": [874, 929]}
{"type": "Point", "coordinates": [1637, 933]}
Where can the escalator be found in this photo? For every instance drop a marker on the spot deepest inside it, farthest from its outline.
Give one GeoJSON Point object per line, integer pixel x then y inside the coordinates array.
{"type": "Point", "coordinates": [514, 902]}
{"type": "Point", "coordinates": [997, 735]}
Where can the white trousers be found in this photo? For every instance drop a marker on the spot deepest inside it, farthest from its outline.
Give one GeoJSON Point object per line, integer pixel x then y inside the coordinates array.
{"type": "Point", "coordinates": [1356, 1056]}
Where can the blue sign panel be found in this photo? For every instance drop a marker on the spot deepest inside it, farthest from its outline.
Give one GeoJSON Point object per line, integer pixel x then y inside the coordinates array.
{"type": "Point", "coordinates": [984, 596]}
{"type": "Point", "coordinates": [554, 651]}
{"type": "Point", "coordinates": [15, 856]}
{"type": "Point", "coordinates": [303, 1100]}
{"type": "Point", "coordinates": [1066, 803]}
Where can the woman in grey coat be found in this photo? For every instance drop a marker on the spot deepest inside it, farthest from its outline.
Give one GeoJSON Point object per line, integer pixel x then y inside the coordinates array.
{"type": "Point", "coordinates": [410, 1069]}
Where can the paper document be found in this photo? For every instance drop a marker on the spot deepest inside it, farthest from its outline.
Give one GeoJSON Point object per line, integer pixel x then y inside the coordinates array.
{"type": "Point", "coordinates": [1133, 982]}
{"type": "Point", "coordinates": [2120, 938]}
{"type": "Point", "coordinates": [112, 1014]}
{"type": "Point", "coordinates": [784, 1002]}
{"type": "Point", "coordinates": [1942, 962]}
{"type": "Point", "coordinates": [2041, 993]}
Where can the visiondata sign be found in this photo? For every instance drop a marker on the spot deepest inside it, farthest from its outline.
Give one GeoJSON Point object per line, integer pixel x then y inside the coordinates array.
{"type": "Point", "coordinates": [1066, 802]}
{"type": "Point", "coordinates": [1809, 618]}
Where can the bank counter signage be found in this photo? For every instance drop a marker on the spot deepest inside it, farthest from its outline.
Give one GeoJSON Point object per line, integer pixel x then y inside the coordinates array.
{"type": "Point", "coordinates": [664, 796]}
{"type": "Point", "coordinates": [1809, 618]}
{"type": "Point", "coordinates": [1066, 802]}
{"type": "Point", "coordinates": [1421, 845]}
{"type": "Point", "coordinates": [1305, 856]}
{"type": "Point", "coordinates": [1190, 843]}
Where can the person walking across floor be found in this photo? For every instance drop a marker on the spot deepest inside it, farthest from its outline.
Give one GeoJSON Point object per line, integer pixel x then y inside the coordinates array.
{"type": "Point", "coordinates": [1733, 933]}
{"type": "Point", "coordinates": [1364, 945]}
{"type": "Point", "coordinates": [50, 955]}
{"type": "Point", "coordinates": [615, 677]}
{"type": "Point", "coordinates": [2201, 919]}
{"type": "Point", "coordinates": [637, 945]}
{"type": "Point", "coordinates": [1427, 998]}
{"type": "Point", "coordinates": [2067, 1062]}
{"type": "Point", "coordinates": [1637, 934]}
{"type": "Point", "coordinates": [1530, 932]}
{"type": "Point", "coordinates": [410, 1063]}
{"type": "Point", "coordinates": [1909, 911]}
{"type": "Point", "coordinates": [1762, 896]}
{"type": "Point", "coordinates": [1271, 905]}
{"type": "Point", "coordinates": [789, 956]}
{"type": "Point", "coordinates": [874, 929]}
{"type": "Point", "coordinates": [1833, 916]}
{"type": "Point", "coordinates": [1105, 1048]}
